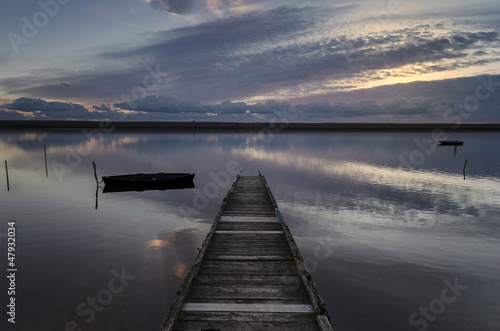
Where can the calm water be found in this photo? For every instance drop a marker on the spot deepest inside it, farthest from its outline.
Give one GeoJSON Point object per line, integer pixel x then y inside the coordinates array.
{"type": "Point", "coordinates": [390, 249]}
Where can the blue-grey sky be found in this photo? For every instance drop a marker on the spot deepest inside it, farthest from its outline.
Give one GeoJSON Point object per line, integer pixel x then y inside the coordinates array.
{"type": "Point", "coordinates": [250, 60]}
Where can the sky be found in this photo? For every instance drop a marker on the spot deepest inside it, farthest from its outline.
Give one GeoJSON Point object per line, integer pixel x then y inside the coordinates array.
{"type": "Point", "coordinates": [251, 60]}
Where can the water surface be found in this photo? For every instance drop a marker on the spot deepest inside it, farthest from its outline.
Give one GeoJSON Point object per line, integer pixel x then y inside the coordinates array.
{"type": "Point", "coordinates": [383, 243]}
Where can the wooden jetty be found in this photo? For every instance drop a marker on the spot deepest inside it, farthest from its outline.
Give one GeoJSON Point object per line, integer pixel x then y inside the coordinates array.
{"type": "Point", "coordinates": [249, 274]}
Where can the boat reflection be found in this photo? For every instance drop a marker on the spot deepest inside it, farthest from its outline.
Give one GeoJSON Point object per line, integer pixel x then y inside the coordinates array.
{"type": "Point", "coordinates": [454, 143]}
{"type": "Point", "coordinates": [141, 186]}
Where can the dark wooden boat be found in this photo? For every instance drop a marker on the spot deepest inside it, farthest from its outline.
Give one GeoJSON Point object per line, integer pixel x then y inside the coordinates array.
{"type": "Point", "coordinates": [450, 143]}
{"type": "Point", "coordinates": [143, 182]}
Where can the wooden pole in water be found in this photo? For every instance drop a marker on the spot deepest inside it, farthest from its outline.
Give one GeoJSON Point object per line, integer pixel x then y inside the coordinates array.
{"type": "Point", "coordinates": [97, 197]}
{"type": "Point", "coordinates": [95, 173]}
{"type": "Point", "coordinates": [97, 189]}
{"type": "Point", "coordinates": [45, 153]}
{"type": "Point", "coordinates": [464, 167]}
{"type": "Point", "coordinates": [7, 174]}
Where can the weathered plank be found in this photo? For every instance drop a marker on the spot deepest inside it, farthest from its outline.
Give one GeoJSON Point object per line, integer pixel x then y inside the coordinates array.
{"type": "Point", "coordinates": [256, 308]}
{"type": "Point", "coordinates": [247, 219]}
{"type": "Point", "coordinates": [296, 318]}
{"type": "Point", "coordinates": [247, 292]}
{"type": "Point", "coordinates": [241, 257]}
{"type": "Point", "coordinates": [249, 247]}
{"type": "Point", "coordinates": [248, 280]}
{"type": "Point", "coordinates": [238, 232]}
{"type": "Point", "coordinates": [248, 267]}
{"type": "Point", "coordinates": [249, 236]}
{"type": "Point", "coordinates": [246, 322]}
{"type": "Point", "coordinates": [249, 226]}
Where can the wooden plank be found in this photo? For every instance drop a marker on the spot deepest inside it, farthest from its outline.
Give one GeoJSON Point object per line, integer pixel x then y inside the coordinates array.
{"type": "Point", "coordinates": [244, 326]}
{"type": "Point", "coordinates": [270, 239]}
{"type": "Point", "coordinates": [249, 226]}
{"type": "Point", "coordinates": [248, 232]}
{"type": "Point", "coordinates": [248, 292]}
{"type": "Point", "coordinates": [250, 245]}
{"type": "Point", "coordinates": [239, 249]}
{"type": "Point", "coordinates": [241, 252]}
{"type": "Point", "coordinates": [248, 280]}
{"type": "Point", "coordinates": [250, 267]}
{"type": "Point", "coordinates": [247, 316]}
{"type": "Point", "coordinates": [225, 218]}
{"type": "Point", "coordinates": [262, 308]}
{"type": "Point", "coordinates": [247, 213]}
{"type": "Point", "coordinates": [248, 237]}
{"type": "Point", "coordinates": [234, 257]}
{"type": "Point", "coordinates": [259, 247]}
{"type": "Point", "coordinates": [277, 301]}
{"type": "Point", "coordinates": [251, 210]}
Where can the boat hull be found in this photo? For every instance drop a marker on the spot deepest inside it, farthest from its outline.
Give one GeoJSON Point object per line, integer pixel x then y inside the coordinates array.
{"type": "Point", "coordinates": [450, 143]}
{"type": "Point", "coordinates": [144, 182]}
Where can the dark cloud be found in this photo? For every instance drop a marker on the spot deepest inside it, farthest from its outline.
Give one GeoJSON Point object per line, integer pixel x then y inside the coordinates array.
{"type": "Point", "coordinates": [164, 105]}
{"type": "Point", "coordinates": [33, 105]}
{"type": "Point", "coordinates": [398, 106]}
{"type": "Point", "coordinates": [436, 97]}
{"type": "Point", "coordinates": [10, 115]}
{"type": "Point", "coordinates": [42, 108]}
{"type": "Point", "coordinates": [102, 107]}
{"type": "Point", "coordinates": [479, 53]}
{"type": "Point", "coordinates": [158, 104]}
{"type": "Point", "coordinates": [398, 51]}
{"type": "Point", "coordinates": [217, 7]}
{"type": "Point", "coordinates": [318, 110]}
{"type": "Point", "coordinates": [173, 6]}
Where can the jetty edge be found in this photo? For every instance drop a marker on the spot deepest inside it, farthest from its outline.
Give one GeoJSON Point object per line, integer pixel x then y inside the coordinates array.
{"type": "Point", "coordinates": [248, 274]}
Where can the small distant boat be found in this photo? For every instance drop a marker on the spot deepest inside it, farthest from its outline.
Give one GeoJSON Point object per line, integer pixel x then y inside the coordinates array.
{"type": "Point", "coordinates": [143, 182]}
{"type": "Point", "coordinates": [450, 143]}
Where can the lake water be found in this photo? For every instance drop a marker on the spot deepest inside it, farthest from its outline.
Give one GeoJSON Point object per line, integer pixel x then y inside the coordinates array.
{"type": "Point", "coordinates": [389, 248]}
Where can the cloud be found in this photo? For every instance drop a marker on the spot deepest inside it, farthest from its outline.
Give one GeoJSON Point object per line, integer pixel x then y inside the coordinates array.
{"type": "Point", "coordinates": [314, 111]}
{"type": "Point", "coordinates": [33, 105]}
{"type": "Point", "coordinates": [42, 108]}
{"type": "Point", "coordinates": [210, 60]}
{"type": "Point", "coordinates": [102, 107]}
{"type": "Point", "coordinates": [419, 101]}
{"type": "Point", "coordinates": [173, 6]}
{"type": "Point", "coordinates": [399, 106]}
{"type": "Point", "coordinates": [10, 115]}
{"type": "Point", "coordinates": [217, 7]}
{"type": "Point", "coordinates": [281, 53]}
{"type": "Point", "coordinates": [158, 104]}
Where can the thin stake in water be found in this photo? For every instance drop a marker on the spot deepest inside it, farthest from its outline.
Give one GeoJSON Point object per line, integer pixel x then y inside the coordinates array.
{"type": "Point", "coordinates": [7, 173]}
{"type": "Point", "coordinates": [465, 164]}
{"type": "Point", "coordinates": [95, 173]}
{"type": "Point", "coordinates": [45, 153]}
{"type": "Point", "coordinates": [97, 189]}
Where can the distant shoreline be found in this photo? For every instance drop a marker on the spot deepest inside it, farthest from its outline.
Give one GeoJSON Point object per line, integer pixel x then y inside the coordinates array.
{"type": "Point", "coordinates": [240, 126]}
